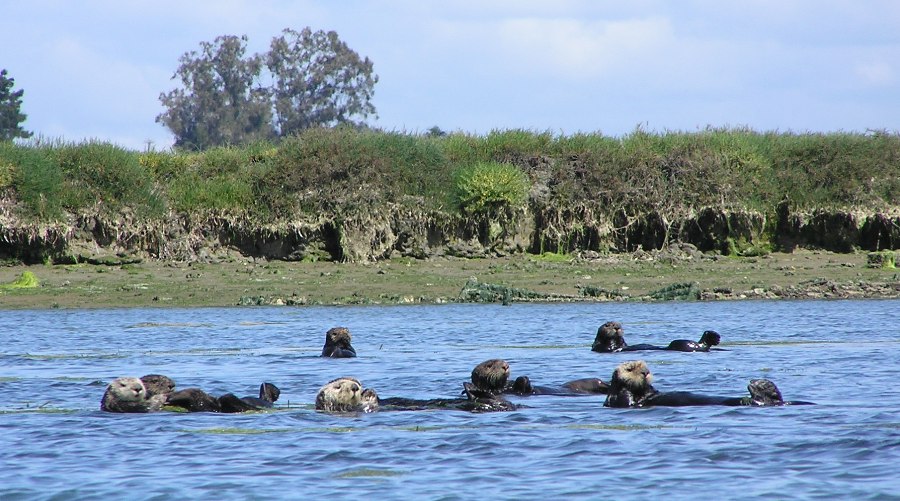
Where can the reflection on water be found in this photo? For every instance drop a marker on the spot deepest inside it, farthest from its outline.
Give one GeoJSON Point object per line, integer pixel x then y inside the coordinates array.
{"type": "Point", "coordinates": [839, 354]}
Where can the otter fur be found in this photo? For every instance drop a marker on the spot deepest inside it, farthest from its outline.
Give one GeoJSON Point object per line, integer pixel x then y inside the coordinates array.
{"type": "Point", "coordinates": [610, 338]}
{"type": "Point", "coordinates": [128, 394]}
{"type": "Point", "coordinates": [346, 394]}
{"type": "Point", "coordinates": [337, 343]}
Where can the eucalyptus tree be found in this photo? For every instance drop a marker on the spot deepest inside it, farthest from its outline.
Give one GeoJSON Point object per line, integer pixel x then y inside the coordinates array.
{"type": "Point", "coordinates": [315, 80]}
{"type": "Point", "coordinates": [318, 81]}
{"type": "Point", "coordinates": [221, 101]}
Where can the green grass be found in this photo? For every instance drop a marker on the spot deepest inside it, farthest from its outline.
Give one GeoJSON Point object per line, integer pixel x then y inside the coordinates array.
{"type": "Point", "coordinates": [346, 171]}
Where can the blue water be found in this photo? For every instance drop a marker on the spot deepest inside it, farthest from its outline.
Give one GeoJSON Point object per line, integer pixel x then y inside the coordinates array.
{"type": "Point", "coordinates": [843, 355]}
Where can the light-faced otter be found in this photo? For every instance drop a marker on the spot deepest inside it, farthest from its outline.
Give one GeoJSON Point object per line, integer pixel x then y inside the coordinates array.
{"type": "Point", "coordinates": [522, 386]}
{"type": "Point", "coordinates": [197, 400]}
{"type": "Point", "coordinates": [630, 387]}
{"type": "Point", "coordinates": [337, 343]}
{"type": "Point", "coordinates": [611, 338]}
{"type": "Point", "coordinates": [490, 376]}
{"type": "Point", "coordinates": [346, 394]}
{"type": "Point", "coordinates": [128, 394]}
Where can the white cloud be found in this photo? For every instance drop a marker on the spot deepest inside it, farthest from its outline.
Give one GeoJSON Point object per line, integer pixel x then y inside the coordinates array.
{"type": "Point", "coordinates": [876, 73]}
{"type": "Point", "coordinates": [583, 49]}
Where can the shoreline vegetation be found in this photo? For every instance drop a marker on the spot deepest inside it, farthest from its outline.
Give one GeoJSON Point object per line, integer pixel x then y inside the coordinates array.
{"type": "Point", "coordinates": [358, 216]}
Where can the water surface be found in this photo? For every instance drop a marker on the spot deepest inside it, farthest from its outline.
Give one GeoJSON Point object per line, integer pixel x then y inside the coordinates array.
{"type": "Point", "coordinates": [843, 355]}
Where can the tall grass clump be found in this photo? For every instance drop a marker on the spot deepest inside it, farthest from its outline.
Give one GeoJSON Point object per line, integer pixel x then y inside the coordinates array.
{"type": "Point", "coordinates": [838, 169]}
{"type": "Point", "coordinates": [348, 169]}
{"type": "Point", "coordinates": [487, 187]}
{"type": "Point", "coordinates": [218, 179]}
{"type": "Point", "coordinates": [36, 178]}
{"type": "Point", "coordinates": [504, 146]}
{"type": "Point", "coordinates": [102, 172]}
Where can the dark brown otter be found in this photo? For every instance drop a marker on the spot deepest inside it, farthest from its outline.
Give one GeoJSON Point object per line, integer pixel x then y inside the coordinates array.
{"type": "Point", "coordinates": [490, 376]}
{"type": "Point", "coordinates": [337, 343]}
{"type": "Point", "coordinates": [197, 400]}
{"type": "Point", "coordinates": [157, 384]}
{"type": "Point", "coordinates": [522, 386]}
{"type": "Point", "coordinates": [483, 394]}
{"type": "Point", "coordinates": [611, 338]}
{"type": "Point", "coordinates": [128, 394]}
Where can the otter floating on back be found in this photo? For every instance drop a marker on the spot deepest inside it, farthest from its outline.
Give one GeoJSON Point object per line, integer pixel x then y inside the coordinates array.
{"type": "Point", "coordinates": [630, 386]}
{"type": "Point", "coordinates": [611, 339]}
{"type": "Point", "coordinates": [483, 394]}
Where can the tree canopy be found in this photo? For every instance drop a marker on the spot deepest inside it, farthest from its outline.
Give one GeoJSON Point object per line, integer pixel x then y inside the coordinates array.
{"type": "Point", "coordinates": [10, 115]}
{"type": "Point", "coordinates": [316, 80]}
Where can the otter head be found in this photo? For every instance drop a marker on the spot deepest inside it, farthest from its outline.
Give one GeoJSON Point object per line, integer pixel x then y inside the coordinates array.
{"type": "Point", "coordinates": [522, 386]}
{"type": "Point", "coordinates": [634, 376]}
{"type": "Point", "coordinates": [340, 395]}
{"type": "Point", "coordinates": [127, 394]}
{"type": "Point", "coordinates": [337, 343]}
{"type": "Point", "coordinates": [157, 384]}
{"type": "Point", "coordinates": [610, 338]}
{"type": "Point", "coordinates": [710, 338]}
{"type": "Point", "coordinates": [491, 375]}
{"type": "Point", "coordinates": [128, 389]}
{"type": "Point", "coordinates": [764, 392]}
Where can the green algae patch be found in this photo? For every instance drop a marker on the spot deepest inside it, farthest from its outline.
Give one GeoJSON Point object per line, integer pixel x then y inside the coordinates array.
{"type": "Point", "coordinates": [238, 431]}
{"type": "Point", "coordinates": [618, 427]}
{"type": "Point", "coordinates": [369, 472]}
{"type": "Point", "coordinates": [27, 280]}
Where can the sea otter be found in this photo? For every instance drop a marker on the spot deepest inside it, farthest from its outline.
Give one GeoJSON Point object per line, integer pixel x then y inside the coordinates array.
{"type": "Point", "coordinates": [490, 376]}
{"type": "Point", "coordinates": [128, 394]}
{"type": "Point", "coordinates": [337, 343]}
{"type": "Point", "coordinates": [610, 339]}
{"type": "Point", "coordinates": [483, 394]}
{"type": "Point", "coordinates": [630, 387]}
{"type": "Point", "coordinates": [197, 400]}
{"type": "Point", "coordinates": [157, 384]}
{"type": "Point", "coordinates": [522, 386]}
{"type": "Point", "coordinates": [346, 394]}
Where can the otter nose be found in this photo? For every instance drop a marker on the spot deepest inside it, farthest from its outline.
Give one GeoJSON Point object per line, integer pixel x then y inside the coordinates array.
{"type": "Point", "coordinates": [354, 387]}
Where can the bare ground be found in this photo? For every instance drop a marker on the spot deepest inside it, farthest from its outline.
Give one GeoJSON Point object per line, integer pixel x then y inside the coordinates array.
{"type": "Point", "coordinates": [239, 280]}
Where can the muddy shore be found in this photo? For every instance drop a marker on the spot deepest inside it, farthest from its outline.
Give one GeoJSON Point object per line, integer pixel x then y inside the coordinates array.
{"type": "Point", "coordinates": [671, 274]}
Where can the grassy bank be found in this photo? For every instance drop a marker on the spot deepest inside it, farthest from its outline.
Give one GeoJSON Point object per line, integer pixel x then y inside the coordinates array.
{"type": "Point", "coordinates": [347, 171]}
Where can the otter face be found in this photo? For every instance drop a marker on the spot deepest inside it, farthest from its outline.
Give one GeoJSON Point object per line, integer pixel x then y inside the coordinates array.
{"type": "Point", "coordinates": [157, 384]}
{"type": "Point", "coordinates": [337, 343]}
{"type": "Point", "coordinates": [128, 389]}
{"type": "Point", "coordinates": [127, 394]}
{"type": "Point", "coordinates": [633, 375]}
{"type": "Point", "coordinates": [340, 395]}
{"type": "Point", "coordinates": [610, 338]}
{"type": "Point", "coordinates": [338, 336]}
{"type": "Point", "coordinates": [491, 375]}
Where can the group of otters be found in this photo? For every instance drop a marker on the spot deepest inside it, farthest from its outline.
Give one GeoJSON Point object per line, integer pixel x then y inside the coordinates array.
{"type": "Point", "coordinates": [629, 386]}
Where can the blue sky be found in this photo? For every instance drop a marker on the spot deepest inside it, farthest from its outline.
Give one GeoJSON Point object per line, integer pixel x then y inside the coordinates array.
{"type": "Point", "coordinates": [95, 69]}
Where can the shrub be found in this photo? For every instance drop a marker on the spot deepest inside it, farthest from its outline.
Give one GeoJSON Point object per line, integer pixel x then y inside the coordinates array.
{"type": "Point", "coordinates": [488, 186]}
{"type": "Point", "coordinates": [37, 179]}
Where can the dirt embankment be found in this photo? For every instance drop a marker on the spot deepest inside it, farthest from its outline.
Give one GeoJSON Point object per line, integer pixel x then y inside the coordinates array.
{"type": "Point", "coordinates": [400, 231]}
{"type": "Point", "coordinates": [402, 255]}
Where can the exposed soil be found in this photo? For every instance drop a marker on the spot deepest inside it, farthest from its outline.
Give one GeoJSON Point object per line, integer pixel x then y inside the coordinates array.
{"type": "Point", "coordinates": [240, 280]}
